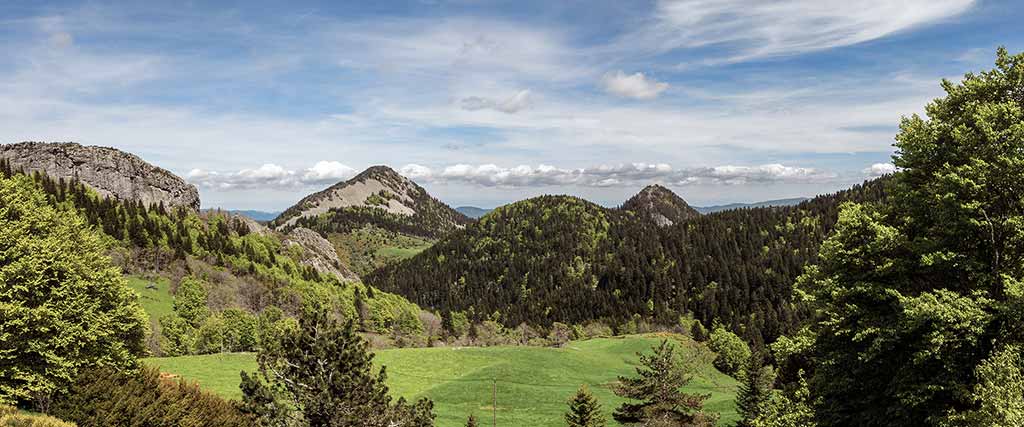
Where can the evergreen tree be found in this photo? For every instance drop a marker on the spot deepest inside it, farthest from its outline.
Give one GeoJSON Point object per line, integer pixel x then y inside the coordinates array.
{"type": "Point", "coordinates": [471, 422]}
{"type": "Point", "coordinates": [584, 410]}
{"type": "Point", "coordinates": [754, 391]}
{"type": "Point", "coordinates": [322, 369]}
{"type": "Point", "coordinates": [659, 378]}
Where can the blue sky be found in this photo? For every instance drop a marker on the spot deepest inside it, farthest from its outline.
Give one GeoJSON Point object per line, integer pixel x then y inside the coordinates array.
{"type": "Point", "coordinates": [259, 103]}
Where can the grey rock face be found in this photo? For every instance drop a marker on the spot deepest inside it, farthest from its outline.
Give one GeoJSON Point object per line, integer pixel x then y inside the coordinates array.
{"type": "Point", "coordinates": [109, 171]}
{"type": "Point", "coordinates": [320, 253]}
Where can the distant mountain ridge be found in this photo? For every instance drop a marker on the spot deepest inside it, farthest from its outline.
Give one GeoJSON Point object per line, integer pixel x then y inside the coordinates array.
{"type": "Point", "coordinates": [108, 171]}
{"type": "Point", "coordinates": [473, 211]}
{"type": "Point", "coordinates": [767, 203]}
{"type": "Point", "coordinates": [261, 216]}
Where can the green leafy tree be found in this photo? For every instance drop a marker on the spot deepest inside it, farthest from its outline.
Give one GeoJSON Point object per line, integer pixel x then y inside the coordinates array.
{"type": "Point", "coordinates": [913, 296]}
{"type": "Point", "coordinates": [63, 306]}
{"type": "Point", "coordinates": [584, 410]}
{"type": "Point", "coordinates": [733, 352]}
{"type": "Point", "coordinates": [323, 372]}
{"type": "Point", "coordinates": [657, 386]}
{"type": "Point", "coordinates": [178, 337]}
{"type": "Point", "coordinates": [790, 407]}
{"type": "Point", "coordinates": [190, 301]}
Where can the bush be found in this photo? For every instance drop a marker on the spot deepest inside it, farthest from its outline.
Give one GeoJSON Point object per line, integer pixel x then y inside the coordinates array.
{"type": "Point", "coordinates": [733, 352]}
{"type": "Point", "coordinates": [10, 417]}
{"type": "Point", "coordinates": [103, 397]}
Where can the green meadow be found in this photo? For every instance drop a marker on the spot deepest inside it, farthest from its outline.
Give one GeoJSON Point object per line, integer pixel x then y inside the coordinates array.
{"type": "Point", "coordinates": [530, 384]}
{"type": "Point", "coordinates": [154, 295]}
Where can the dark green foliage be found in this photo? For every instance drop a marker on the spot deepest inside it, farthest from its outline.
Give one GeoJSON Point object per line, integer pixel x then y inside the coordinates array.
{"type": "Point", "coordinates": [659, 377]}
{"type": "Point", "coordinates": [104, 397]}
{"type": "Point", "coordinates": [559, 258]}
{"type": "Point", "coordinates": [63, 306]}
{"type": "Point", "coordinates": [471, 422]}
{"type": "Point", "coordinates": [322, 372]}
{"type": "Point", "coordinates": [916, 297]}
{"type": "Point", "coordinates": [754, 391]}
{"type": "Point", "coordinates": [584, 410]}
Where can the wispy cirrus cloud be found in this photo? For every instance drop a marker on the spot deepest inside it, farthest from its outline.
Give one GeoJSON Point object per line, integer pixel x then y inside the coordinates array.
{"type": "Point", "coordinates": [748, 30]}
{"type": "Point", "coordinates": [513, 104]}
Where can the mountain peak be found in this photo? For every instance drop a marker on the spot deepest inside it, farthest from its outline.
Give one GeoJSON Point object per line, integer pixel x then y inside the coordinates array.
{"type": "Point", "coordinates": [661, 205]}
{"type": "Point", "coordinates": [376, 189]}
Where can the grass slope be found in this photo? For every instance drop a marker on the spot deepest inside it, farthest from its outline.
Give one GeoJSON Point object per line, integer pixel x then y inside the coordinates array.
{"type": "Point", "coordinates": [533, 383]}
{"type": "Point", "coordinates": [156, 302]}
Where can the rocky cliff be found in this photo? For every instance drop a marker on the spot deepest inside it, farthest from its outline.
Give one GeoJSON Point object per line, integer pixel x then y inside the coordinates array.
{"type": "Point", "coordinates": [109, 171]}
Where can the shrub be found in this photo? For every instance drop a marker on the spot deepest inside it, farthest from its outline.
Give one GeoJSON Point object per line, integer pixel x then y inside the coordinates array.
{"type": "Point", "coordinates": [733, 352]}
{"type": "Point", "coordinates": [10, 417]}
{"type": "Point", "coordinates": [103, 397]}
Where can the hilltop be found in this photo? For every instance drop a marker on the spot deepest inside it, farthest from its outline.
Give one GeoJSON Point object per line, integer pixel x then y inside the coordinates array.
{"type": "Point", "coordinates": [377, 217]}
{"type": "Point", "coordinates": [108, 171]}
{"type": "Point", "coordinates": [661, 205]}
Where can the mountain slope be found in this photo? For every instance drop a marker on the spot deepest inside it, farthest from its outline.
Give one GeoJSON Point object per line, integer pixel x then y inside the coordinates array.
{"type": "Point", "coordinates": [378, 195]}
{"type": "Point", "coordinates": [375, 218]}
{"type": "Point", "coordinates": [661, 205]}
{"type": "Point", "coordinates": [565, 259]}
{"type": "Point", "coordinates": [108, 171]}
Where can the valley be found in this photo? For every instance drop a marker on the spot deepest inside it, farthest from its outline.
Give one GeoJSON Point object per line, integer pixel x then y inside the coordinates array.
{"type": "Point", "coordinates": [532, 383]}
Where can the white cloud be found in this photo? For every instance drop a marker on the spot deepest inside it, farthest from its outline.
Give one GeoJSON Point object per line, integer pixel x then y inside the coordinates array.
{"type": "Point", "coordinates": [631, 174]}
{"type": "Point", "coordinates": [636, 85]}
{"type": "Point", "coordinates": [270, 176]}
{"type": "Point", "coordinates": [520, 101]}
{"type": "Point", "coordinates": [879, 169]}
{"type": "Point", "coordinates": [755, 29]}
{"type": "Point", "coordinates": [414, 171]}
{"type": "Point", "coordinates": [327, 172]}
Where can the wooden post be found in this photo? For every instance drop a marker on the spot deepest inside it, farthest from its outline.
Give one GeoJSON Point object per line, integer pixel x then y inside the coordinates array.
{"type": "Point", "coordinates": [494, 402]}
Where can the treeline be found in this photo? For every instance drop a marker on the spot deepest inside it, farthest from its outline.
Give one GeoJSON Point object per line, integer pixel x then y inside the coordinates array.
{"type": "Point", "coordinates": [559, 258]}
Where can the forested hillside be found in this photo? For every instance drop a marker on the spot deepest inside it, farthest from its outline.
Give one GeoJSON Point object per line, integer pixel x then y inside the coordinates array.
{"type": "Point", "coordinates": [233, 268]}
{"type": "Point", "coordinates": [559, 258]}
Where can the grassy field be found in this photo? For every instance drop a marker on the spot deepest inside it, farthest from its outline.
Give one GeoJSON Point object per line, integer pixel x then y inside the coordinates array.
{"type": "Point", "coordinates": [532, 383]}
{"type": "Point", "coordinates": [157, 302]}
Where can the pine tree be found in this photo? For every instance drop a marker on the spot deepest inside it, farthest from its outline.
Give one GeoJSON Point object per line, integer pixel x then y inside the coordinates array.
{"type": "Point", "coordinates": [324, 372]}
{"type": "Point", "coordinates": [471, 422]}
{"type": "Point", "coordinates": [754, 390]}
{"type": "Point", "coordinates": [584, 410]}
{"type": "Point", "coordinates": [660, 376]}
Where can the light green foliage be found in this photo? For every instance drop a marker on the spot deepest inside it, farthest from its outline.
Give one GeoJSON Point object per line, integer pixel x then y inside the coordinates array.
{"type": "Point", "coordinates": [62, 305]}
{"type": "Point", "coordinates": [532, 382]}
{"type": "Point", "coordinates": [190, 301]}
{"type": "Point", "coordinates": [178, 337]}
{"type": "Point", "coordinates": [790, 408]}
{"type": "Point", "coordinates": [459, 323]}
{"type": "Point", "coordinates": [239, 330]}
{"type": "Point", "coordinates": [914, 297]}
{"type": "Point", "coordinates": [999, 392]}
{"type": "Point", "coordinates": [733, 352]}
{"type": "Point", "coordinates": [210, 335]}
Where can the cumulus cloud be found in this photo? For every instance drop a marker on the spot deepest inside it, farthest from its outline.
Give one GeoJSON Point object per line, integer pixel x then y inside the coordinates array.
{"type": "Point", "coordinates": [636, 85]}
{"type": "Point", "coordinates": [630, 174]}
{"type": "Point", "coordinates": [271, 176]}
{"type": "Point", "coordinates": [879, 169]}
{"type": "Point", "coordinates": [518, 102]}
